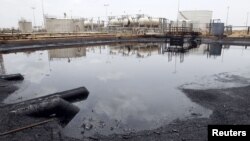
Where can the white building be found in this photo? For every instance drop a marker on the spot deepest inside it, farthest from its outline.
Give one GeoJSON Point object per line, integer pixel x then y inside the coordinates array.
{"type": "Point", "coordinates": [25, 26]}
{"type": "Point", "coordinates": [54, 25]}
{"type": "Point", "coordinates": [199, 18]}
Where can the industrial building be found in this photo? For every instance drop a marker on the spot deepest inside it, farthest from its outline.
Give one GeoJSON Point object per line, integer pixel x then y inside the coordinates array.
{"type": "Point", "coordinates": [199, 18]}
{"type": "Point", "coordinates": [65, 25]}
{"type": "Point", "coordinates": [25, 26]}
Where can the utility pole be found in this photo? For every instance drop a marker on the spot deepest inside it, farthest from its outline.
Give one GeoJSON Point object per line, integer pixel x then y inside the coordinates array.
{"type": "Point", "coordinates": [248, 29]}
{"type": "Point", "coordinates": [247, 19]}
{"type": "Point", "coordinates": [178, 12]}
{"type": "Point", "coordinates": [106, 6]}
{"type": "Point", "coordinates": [33, 9]}
{"type": "Point", "coordinates": [227, 15]}
{"type": "Point", "coordinates": [71, 14]}
{"type": "Point", "coordinates": [178, 6]}
{"type": "Point", "coordinates": [43, 15]}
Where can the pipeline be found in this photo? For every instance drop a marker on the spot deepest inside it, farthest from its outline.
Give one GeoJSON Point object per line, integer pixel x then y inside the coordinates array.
{"type": "Point", "coordinates": [53, 107]}
{"type": "Point", "coordinates": [73, 95]}
{"type": "Point", "coordinates": [12, 77]}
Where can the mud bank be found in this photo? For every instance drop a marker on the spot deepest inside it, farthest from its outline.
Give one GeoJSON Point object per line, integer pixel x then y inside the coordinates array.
{"type": "Point", "coordinates": [227, 41]}
{"type": "Point", "coordinates": [10, 121]}
{"type": "Point", "coordinates": [230, 106]}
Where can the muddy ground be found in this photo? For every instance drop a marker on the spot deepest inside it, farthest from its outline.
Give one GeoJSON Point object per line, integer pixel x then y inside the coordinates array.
{"type": "Point", "coordinates": [230, 106]}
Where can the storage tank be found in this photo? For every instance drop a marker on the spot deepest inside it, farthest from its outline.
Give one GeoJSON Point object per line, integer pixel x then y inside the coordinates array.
{"type": "Point", "coordinates": [144, 21]}
{"type": "Point", "coordinates": [147, 21]}
{"type": "Point", "coordinates": [217, 29]}
{"type": "Point", "coordinates": [133, 21]}
{"type": "Point", "coordinates": [199, 18]}
{"type": "Point", "coordinates": [115, 22]}
{"type": "Point", "coordinates": [155, 22]}
{"type": "Point", "coordinates": [88, 23]}
{"type": "Point", "coordinates": [25, 26]}
{"type": "Point", "coordinates": [126, 22]}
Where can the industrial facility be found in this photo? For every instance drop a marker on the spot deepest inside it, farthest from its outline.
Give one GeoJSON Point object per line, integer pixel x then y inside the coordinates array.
{"type": "Point", "coordinates": [137, 24]}
{"type": "Point", "coordinates": [64, 25]}
{"type": "Point", "coordinates": [199, 18]}
{"type": "Point", "coordinates": [187, 21]}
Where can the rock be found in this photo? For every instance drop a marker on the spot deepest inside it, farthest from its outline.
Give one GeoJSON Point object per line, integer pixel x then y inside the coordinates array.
{"type": "Point", "coordinates": [174, 130]}
{"type": "Point", "coordinates": [87, 126]}
{"type": "Point", "coordinates": [157, 132]}
{"type": "Point", "coordinates": [125, 136]}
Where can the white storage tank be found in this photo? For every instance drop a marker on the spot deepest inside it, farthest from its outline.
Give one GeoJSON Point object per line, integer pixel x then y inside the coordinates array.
{"type": "Point", "coordinates": [149, 22]}
{"type": "Point", "coordinates": [126, 22]}
{"type": "Point", "coordinates": [115, 22]}
{"type": "Point", "coordinates": [144, 21]}
{"type": "Point", "coordinates": [88, 23]}
{"type": "Point", "coordinates": [25, 26]}
{"type": "Point", "coordinates": [155, 22]}
{"type": "Point", "coordinates": [199, 18]}
{"type": "Point", "coordinates": [133, 21]}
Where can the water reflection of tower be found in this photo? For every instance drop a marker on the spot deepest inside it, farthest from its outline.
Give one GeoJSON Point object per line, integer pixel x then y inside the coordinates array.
{"type": "Point", "coordinates": [2, 68]}
{"type": "Point", "coordinates": [68, 53]}
{"type": "Point", "coordinates": [214, 49]}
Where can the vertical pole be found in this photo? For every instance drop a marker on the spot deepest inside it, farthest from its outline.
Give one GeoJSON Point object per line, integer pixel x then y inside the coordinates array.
{"type": "Point", "coordinates": [178, 6]}
{"type": "Point", "coordinates": [106, 6]}
{"type": "Point", "coordinates": [43, 15]}
{"type": "Point", "coordinates": [247, 19]}
{"type": "Point", "coordinates": [33, 9]}
{"type": "Point", "coordinates": [178, 14]}
{"type": "Point", "coordinates": [227, 15]}
{"type": "Point", "coordinates": [247, 23]}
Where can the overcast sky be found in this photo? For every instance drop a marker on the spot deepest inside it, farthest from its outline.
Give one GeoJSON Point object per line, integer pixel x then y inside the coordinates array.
{"type": "Point", "coordinates": [12, 10]}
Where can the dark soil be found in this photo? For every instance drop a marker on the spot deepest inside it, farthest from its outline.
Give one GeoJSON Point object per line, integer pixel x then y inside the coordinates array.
{"type": "Point", "coordinates": [230, 106]}
{"type": "Point", "coordinates": [10, 121]}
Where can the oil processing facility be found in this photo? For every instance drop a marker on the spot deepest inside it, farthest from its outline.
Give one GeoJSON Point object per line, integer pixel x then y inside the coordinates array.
{"type": "Point", "coordinates": [135, 24]}
{"type": "Point", "coordinates": [193, 22]}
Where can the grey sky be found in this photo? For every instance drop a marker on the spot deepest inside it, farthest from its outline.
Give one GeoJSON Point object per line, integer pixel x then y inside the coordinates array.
{"type": "Point", "coordinates": [12, 10]}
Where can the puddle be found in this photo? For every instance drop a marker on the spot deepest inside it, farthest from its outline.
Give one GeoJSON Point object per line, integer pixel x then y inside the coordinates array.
{"type": "Point", "coordinates": [132, 87]}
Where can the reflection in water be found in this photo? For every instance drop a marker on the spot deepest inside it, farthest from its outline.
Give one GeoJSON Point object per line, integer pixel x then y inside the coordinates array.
{"type": "Point", "coordinates": [215, 49]}
{"type": "Point", "coordinates": [2, 68]}
{"type": "Point", "coordinates": [140, 50]}
{"type": "Point", "coordinates": [132, 86]}
{"type": "Point", "coordinates": [68, 53]}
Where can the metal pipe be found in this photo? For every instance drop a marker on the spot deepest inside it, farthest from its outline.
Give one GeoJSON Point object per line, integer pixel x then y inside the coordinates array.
{"type": "Point", "coordinates": [53, 107]}
{"type": "Point", "coordinates": [12, 77]}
